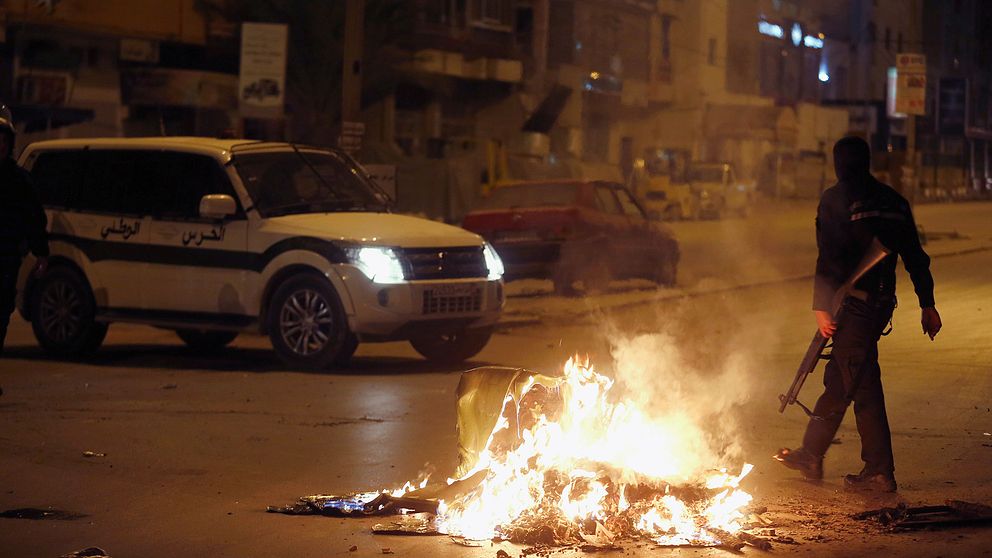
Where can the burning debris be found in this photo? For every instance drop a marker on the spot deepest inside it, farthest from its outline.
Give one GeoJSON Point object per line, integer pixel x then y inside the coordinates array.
{"type": "Point", "coordinates": [563, 461]}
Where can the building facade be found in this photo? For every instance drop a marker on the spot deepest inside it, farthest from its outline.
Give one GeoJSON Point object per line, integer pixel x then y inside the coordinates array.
{"type": "Point", "coordinates": [113, 68]}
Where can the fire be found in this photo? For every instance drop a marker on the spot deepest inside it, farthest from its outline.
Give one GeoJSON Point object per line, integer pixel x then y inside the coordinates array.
{"type": "Point", "coordinates": [592, 467]}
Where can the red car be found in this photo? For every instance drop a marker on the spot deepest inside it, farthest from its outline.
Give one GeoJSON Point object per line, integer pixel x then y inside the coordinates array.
{"type": "Point", "coordinates": [573, 231]}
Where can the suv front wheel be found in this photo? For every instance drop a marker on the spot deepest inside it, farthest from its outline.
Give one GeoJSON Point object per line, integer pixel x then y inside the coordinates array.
{"type": "Point", "coordinates": [453, 347]}
{"type": "Point", "coordinates": [307, 325]}
{"type": "Point", "coordinates": [63, 312]}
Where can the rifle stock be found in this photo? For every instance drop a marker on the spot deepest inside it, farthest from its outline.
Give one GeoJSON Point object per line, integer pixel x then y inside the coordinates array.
{"type": "Point", "coordinates": [875, 253]}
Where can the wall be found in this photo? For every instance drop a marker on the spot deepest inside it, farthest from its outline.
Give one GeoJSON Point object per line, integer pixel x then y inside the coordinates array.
{"type": "Point", "coordinates": [175, 20]}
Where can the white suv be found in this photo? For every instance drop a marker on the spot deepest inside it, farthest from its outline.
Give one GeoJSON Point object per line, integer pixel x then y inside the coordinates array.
{"type": "Point", "coordinates": [214, 237]}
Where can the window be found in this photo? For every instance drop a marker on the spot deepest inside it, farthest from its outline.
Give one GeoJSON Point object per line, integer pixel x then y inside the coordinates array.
{"type": "Point", "coordinates": [711, 52]}
{"type": "Point", "coordinates": [606, 201]}
{"type": "Point", "coordinates": [175, 183]}
{"type": "Point", "coordinates": [289, 182]}
{"type": "Point", "coordinates": [56, 176]}
{"type": "Point", "coordinates": [666, 39]}
{"type": "Point", "coordinates": [447, 13]}
{"type": "Point", "coordinates": [491, 14]}
{"type": "Point", "coordinates": [665, 61]}
{"type": "Point", "coordinates": [630, 207]}
{"type": "Point", "coordinates": [107, 176]}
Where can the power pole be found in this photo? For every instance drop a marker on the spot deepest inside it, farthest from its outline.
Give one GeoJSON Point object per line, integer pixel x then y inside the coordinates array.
{"type": "Point", "coordinates": [352, 128]}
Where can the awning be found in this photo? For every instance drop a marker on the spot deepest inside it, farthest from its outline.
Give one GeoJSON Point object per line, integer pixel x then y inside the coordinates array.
{"type": "Point", "coordinates": [546, 114]}
{"type": "Point", "coordinates": [37, 118]}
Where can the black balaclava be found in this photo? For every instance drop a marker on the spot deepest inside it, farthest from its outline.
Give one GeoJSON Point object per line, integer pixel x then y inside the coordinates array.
{"type": "Point", "coordinates": [852, 158]}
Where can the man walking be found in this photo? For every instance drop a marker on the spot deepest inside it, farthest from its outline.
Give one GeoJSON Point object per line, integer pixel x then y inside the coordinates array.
{"type": "Point", "coordinates": [22, 223]}
{"type": "Point", "coordinates": [851, 213]}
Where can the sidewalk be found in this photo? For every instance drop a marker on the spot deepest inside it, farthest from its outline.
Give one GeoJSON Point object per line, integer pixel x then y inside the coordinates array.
{"type": "Point", "coordinates": [776, 244]}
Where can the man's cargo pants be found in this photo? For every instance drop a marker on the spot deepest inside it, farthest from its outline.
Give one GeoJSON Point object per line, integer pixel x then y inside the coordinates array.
{"type": "Point", "coordinates": [853, 369]}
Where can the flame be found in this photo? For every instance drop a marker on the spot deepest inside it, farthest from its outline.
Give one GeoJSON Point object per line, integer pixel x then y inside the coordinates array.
{"type": "Point", "coordinates": [408, 486]}
{"type": "Point", "coordinates": [585, 466]}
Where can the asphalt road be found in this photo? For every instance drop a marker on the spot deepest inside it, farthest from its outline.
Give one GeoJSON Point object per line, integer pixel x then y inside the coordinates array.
{"type": "Point", "coordinates": [197, 446]}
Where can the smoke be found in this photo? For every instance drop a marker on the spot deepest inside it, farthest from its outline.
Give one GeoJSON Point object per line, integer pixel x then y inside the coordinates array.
{"type": "Point", "coordinates": [692, 377]}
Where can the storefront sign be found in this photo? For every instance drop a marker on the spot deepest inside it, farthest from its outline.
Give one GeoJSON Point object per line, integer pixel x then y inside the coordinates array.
{"type": "Point", "coordinates": [184, 88]}
{"type": "Point", "coordinates": [796, 34]}
{"type": "Point", "coordinates": [770, 29]}
{"type": "Point", "coordinates": [813, 41]}
{"type": "Point", "coordinates": [262, 83]}
{"type": "Point", "coordinates": [911, 85]}
{"type": "Point", "coordinates": [139, 50]}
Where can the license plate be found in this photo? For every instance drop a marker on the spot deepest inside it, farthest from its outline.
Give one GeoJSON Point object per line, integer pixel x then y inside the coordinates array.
{"type": "Point", "coordinates": [454, 290]}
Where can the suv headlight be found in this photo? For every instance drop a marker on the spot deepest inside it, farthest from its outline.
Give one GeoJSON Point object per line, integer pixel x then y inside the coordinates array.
{"type": "Point", "coordinates": [493, 263]}
{"type": "Point", "coordinates": [380, 265]}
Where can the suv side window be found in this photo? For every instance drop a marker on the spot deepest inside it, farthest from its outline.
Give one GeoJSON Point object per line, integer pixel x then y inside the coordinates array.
{"type": "Point", "coordinates": [177, 181]}
{"type": "Point", "coordinates": [56, 176]}
{"type": "Point", "coordinates": [107, 182]}
{"type": "Point", "coordinates": [606, 201]}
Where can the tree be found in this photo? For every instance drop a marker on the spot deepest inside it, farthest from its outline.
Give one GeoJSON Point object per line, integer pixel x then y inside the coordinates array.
{"type": "Point", "coordinates": [314, 59]}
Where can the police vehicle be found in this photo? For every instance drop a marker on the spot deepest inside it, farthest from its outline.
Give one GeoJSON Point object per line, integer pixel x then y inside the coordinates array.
{"type": "Point", "coordinates": [215, 237]}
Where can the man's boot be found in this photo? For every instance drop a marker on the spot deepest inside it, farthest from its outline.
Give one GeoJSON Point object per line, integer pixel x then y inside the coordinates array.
{"type": "Point", "coordinates": [878, 482]}
{"type": "Point", "coordinates": [811, 466]}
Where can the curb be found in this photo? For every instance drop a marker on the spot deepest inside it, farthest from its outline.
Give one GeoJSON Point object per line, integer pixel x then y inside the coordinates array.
{"type": "Point", "coordinates": [510, 324]}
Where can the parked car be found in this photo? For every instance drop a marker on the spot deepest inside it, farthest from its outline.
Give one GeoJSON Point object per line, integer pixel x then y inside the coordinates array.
{"type": "Point", "coordinates": [212, 238]}
{"type": "Point", "coordinates": [719, 190]}
{"type": "Point", "coordinates": [574, 232]}
{"type": "Point", "coordinates": [661, 186]}
{"type": "Point", "coordinates": [665, 201]}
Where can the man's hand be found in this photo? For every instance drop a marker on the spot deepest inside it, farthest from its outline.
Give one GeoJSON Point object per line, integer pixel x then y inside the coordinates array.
{"type": "Point", "coordinates": [825, 322]}
{"type": "Point", "coordinates": [930, 320]}
{"type": "Point", "coordinates": [40, 266]}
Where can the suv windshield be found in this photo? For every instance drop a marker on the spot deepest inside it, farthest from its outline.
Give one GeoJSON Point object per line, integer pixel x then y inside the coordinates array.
{"type": "Point", "coordinates": [529, 195]}
{"type": "Point", "coordinates": [304, 181]}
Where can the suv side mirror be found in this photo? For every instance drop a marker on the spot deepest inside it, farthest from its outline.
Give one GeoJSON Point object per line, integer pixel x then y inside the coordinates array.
{"type": "Point", "coordinates": [217, 206]}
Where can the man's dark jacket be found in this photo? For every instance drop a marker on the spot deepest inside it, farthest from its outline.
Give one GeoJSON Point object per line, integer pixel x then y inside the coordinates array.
{"type": "Point", "coordinates": [850, 214]}
{"type": "Point", "coordinates": [22, 219]}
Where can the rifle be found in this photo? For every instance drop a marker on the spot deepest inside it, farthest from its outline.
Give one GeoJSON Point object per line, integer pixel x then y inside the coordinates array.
{"type": "Point", "coordinates": [875, 253]}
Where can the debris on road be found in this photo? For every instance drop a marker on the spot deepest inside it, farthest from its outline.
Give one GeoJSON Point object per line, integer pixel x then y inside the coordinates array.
{"type": "Point", "coordinates": [39, 513]}
{"type": "Point", "coordinates": [412, 524]}
{"type": "Point", "coordinates": [955, 513]}
{"type": "Point", "coordinates": [708, 511]}
{"type": "Point", "coordinates": [91, 552]}
{"type": "Point", "coordinates": [88, 453]}
{"type": "Point", "coordinates": [170, 386]}
{"type": "Point", "coordinates": [354, 505]}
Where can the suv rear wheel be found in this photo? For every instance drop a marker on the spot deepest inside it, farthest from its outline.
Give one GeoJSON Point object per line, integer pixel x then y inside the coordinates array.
{"type": "Point", "coordinates": [307, 325]}
{"type": "Point", "coordinates": [63, 312]}
{"type": "Point", "coordinates": [206, 340]}
{"type": "Point", "coordinates": [452, 347]}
